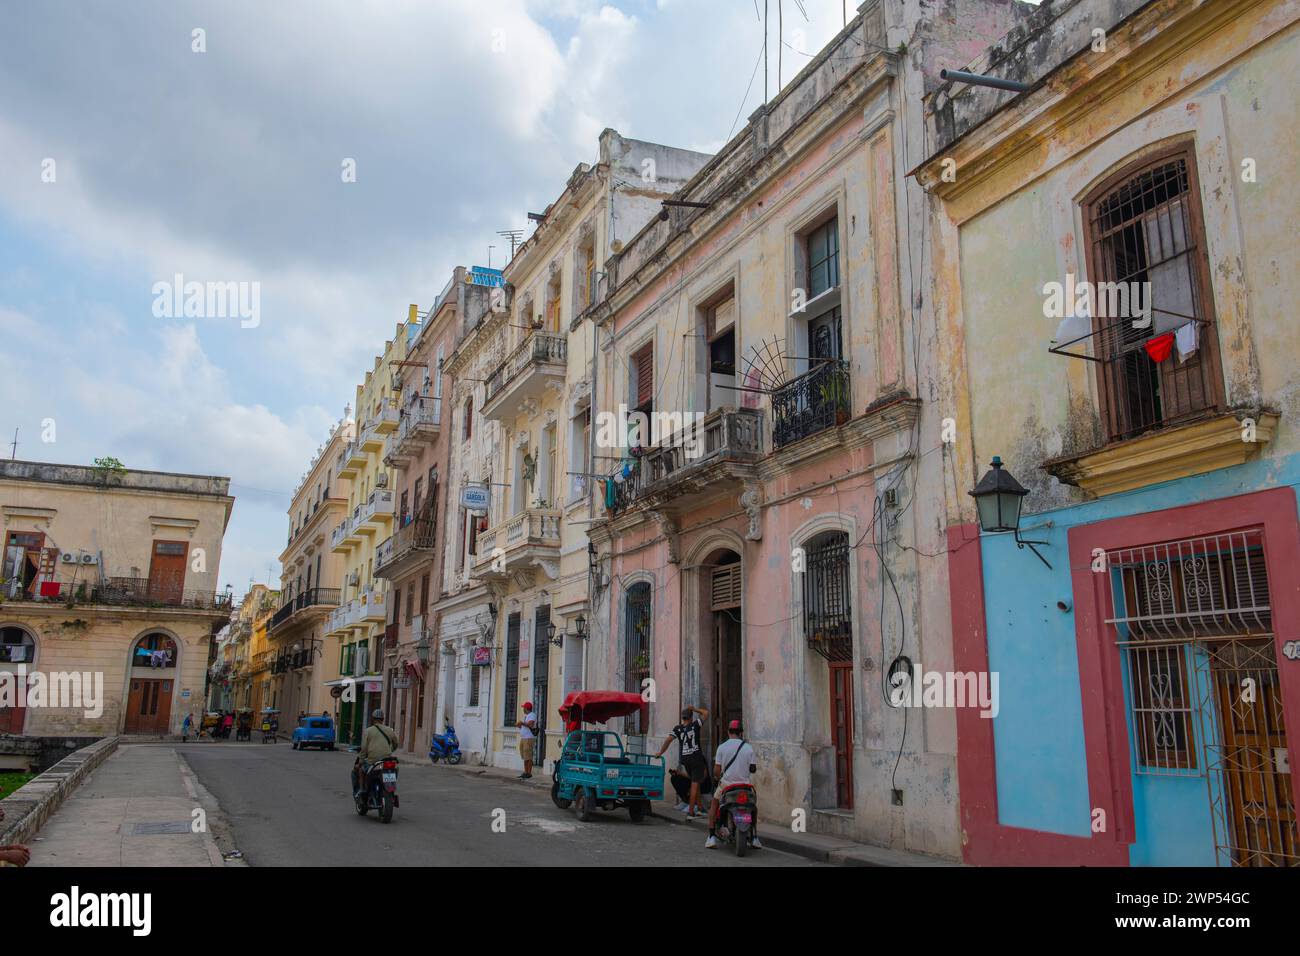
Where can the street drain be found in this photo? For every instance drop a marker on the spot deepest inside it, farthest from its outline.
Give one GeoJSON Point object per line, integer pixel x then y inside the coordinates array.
{"type": "Point", "coordinates": [149, 829]}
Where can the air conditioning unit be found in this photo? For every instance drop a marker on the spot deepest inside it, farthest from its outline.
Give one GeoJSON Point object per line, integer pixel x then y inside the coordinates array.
{"type": "Point", "coordinates": [87, 559]}
{"type": "Point", "coordinates": [381, 480]}
{"type": "Point", "coordinates": [68, 558]}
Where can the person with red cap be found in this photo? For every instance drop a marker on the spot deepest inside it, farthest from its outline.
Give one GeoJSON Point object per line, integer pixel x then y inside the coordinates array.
{"type": "Point", "coordinates": [733, 763]}
{"type": "Point", "coordinates": [527, 737]}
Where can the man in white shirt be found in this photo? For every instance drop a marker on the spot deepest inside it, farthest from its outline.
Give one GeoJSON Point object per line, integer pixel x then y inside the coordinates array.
{"type": "Point", "coordinates": [731, 765]}
{"type": "Point", "coordinates": [527, 734]}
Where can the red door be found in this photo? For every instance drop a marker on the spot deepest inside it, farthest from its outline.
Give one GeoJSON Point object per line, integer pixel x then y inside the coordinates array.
{"type": "Point", "coordinates": [148, 706]}
{"type": "Point", "coordinates": [167, 572]}
{"type": "Point", "coordinates": [11, 718]}
{"type": "Point", "coordinates": [842, 731]}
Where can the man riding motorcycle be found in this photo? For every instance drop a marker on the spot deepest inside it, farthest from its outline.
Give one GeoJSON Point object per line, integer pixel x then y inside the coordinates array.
{"type": "Point", "coordinates": [378, 742]}
{"type": "Point", "coordinates": [733, 764]}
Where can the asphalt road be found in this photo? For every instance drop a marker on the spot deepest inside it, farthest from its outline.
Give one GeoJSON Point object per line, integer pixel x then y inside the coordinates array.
{"type": "Point", "coordinates": [290, 808]}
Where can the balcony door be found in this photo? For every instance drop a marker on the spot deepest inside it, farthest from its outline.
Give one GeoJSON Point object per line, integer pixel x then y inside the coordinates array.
{"type": "Point", "coordinates": [167, 572]}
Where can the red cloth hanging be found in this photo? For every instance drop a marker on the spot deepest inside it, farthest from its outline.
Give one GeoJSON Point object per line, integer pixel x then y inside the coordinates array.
{"type": "Point", "coordinates": [1160, 346]}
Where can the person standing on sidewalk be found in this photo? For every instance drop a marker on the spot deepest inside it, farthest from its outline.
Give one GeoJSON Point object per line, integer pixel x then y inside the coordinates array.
{"type": "Point", "coordinates": [527, 738]}
{"type": "Point", "coordinates": [687, 735]}
{"type": "Point", "coordinates": [187, 727]}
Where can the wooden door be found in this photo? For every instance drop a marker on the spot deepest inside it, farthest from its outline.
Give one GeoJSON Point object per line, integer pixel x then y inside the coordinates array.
{"type": "Point", "coordinates": [148, 706]}
{"type": "Point", "coordinates": [841, 678]}
{"type": "Point", "coordinates": [11, 718]}
{"type": "Point", "coordinates": [167, 572]}
{"type": "Point", "coordinates": [1256, 780]}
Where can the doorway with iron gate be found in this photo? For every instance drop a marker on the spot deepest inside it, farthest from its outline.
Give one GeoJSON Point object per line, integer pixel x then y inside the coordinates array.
{"type": "Point", "coordinates": [827, 619]}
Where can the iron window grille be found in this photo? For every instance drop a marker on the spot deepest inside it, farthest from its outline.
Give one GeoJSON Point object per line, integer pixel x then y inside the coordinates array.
{"type": "Point", "coordinates": [636, 645]}
{"type": "Point", "coordinates": [511, 703]}
{"type": "Point", "coordinates": [827, 605]}
{"type": "Point", "coordinates": [1145, 227]}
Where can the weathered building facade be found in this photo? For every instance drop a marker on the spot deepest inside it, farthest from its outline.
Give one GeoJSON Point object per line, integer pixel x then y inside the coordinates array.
{"type": "Point", "coordinates": [1149, 673]}
{"type": "Point", "coordinates": [775, 565]}
{"type": "Point", "coordinates": [110, 574]}
{"type": "Point", "coordinates": [533, 553]}
{"type": "Point", "coordinates": [410, 558]}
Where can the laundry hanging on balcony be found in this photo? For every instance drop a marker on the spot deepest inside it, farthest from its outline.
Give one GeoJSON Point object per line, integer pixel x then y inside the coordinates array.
{"type": "Point", "coordinates": [1159, 347]}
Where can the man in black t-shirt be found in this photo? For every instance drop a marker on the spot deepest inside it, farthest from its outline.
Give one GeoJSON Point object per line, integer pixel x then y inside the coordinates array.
{"type": "Point", "coordinates": [687, 734]}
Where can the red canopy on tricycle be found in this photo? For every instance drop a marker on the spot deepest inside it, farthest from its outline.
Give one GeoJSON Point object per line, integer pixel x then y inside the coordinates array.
{"type": "Point", "coordinates": [598, 706]}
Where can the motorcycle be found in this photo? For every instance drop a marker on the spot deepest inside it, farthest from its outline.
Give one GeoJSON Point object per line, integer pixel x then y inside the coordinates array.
{"type": "Point", "coordinates": [737, 811]}
{"type": "Point", "coordinates": [379, 790]}
{"type": "Point", "coordinates": [445, 747]}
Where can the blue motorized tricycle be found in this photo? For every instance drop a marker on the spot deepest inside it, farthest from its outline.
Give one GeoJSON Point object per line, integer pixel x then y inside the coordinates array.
{"type": "Point", "coordinates": [595, 771]}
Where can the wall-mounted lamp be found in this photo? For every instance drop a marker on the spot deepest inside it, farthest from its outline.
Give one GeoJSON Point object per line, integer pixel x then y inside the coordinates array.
{"type": "Point", "coordinates": [581, 633]}
{"type": "Point", "coordinates": [998, 498]}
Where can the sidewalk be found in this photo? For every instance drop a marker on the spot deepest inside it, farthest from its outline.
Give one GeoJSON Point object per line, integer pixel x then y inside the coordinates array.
{"type": "Point", "coordinates": [135, 810]}
{"type": "Point", "coordinates": [811, 846]}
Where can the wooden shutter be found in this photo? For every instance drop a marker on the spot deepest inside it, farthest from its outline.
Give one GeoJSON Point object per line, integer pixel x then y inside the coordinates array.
{"type": "Point", "coordinates": [726, 587]}
{"type": "Point", "coordinates": [644, 363]}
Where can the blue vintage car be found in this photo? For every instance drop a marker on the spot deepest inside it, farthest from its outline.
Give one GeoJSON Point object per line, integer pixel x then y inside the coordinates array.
{"type": "Point", "coordinates": [314, 732]}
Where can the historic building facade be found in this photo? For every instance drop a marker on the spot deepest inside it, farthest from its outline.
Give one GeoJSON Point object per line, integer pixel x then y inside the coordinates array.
{"type": "Point", "coordinates": [1148, 668]}
{"type": "Point", "coordinates": [109, 575]}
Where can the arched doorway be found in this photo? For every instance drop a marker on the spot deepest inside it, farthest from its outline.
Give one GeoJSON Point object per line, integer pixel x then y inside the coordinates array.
{"type": "Point", "coordinates": [17, 647]}
{"type": "Point", "coordinates": [152, 682]}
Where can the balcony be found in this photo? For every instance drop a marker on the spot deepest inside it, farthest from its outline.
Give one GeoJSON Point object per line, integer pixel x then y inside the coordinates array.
{"type": "Point", "coordinates": [375, 514]}
{"type": "Point", "coordinates": [344, 618]}
{"type": "Point", "coordinates": [371, 438]}
{"type": "Point", "coordinates": [351, 460]}
{"type": "Point", "coordinates": [320, 598]}
{"type": "Point", "coordinates": [345, 536]}
{"type": "Point", "coordinates": [521, 380]}
{"type": "Point", "coordinates": [520, 545]}
{"type": "Point", "coordinates": [420, 424]}
{"type": "Point", "coordinates": [388, 419]}
{"type": "Point", "coordinates": [393, 456]}
{"type": "Point", "coordinates": [372, 606]}
{"type": "Point", "coordinates": [696, 464]}
{"type": "Point", "coordinates": [119, 592]}
{"type": "Point", "coordinates": [410, 546]}
{"type": "Point", "coordinates": [815, 401]}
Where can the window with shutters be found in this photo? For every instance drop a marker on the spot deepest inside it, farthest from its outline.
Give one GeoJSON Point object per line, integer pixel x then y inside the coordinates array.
{"type": "Point", "coordinates": [1156, 353]}
{"type": "Point", "coordinates": [725, 587]}
{"type": "Point", "coordinates": [468, 429]}
{"type": "Point", "coordinates": [643, 379]}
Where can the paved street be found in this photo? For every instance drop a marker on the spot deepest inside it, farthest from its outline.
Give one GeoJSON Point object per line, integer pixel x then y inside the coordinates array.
{"type": "Point", "coordinates": [281, 807]}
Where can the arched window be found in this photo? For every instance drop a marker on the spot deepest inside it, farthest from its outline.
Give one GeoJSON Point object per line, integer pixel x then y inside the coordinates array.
{"type": "Point", "coordinates": [16, 646]}
{"type": "Point", "coordinates": [636, 643]}
{"type": "Point", "coordinates": [1155, 340]}
{"type": "Point", "coordinates": [154, 650]}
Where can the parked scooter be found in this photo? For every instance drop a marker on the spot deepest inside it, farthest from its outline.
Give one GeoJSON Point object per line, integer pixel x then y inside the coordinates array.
{"type": "Point", "coordinates": [445, 747]}
{"type": "Point", "coordinates": [737, 811]}
{"type": "Point", "coordinates": [380, 792]}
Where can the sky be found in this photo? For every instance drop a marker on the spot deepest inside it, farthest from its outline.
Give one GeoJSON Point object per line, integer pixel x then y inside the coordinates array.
{"type": "Point", "coordinates": [134, 149]}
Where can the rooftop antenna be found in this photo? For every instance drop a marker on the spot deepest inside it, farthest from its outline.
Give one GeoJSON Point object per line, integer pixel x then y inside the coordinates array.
{"type": "Point", "coordinates": [490, 248]}
{"type": "Point", "coordinates": [13, 447]}
{"type": "Point", "coordinates": [515, 236]}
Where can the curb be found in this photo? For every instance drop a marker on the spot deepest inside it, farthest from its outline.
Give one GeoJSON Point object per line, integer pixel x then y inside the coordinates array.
{"type": "Point", "coordinates": [34, 802]}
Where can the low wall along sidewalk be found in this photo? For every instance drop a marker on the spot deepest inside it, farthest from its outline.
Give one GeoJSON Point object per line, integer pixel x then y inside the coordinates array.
{"type": "Point", "coordinates": [31, 805]}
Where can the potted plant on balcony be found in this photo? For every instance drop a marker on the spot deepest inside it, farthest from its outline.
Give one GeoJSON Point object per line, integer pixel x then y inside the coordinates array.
{"type": "Point", "coordinates": [835, 391]}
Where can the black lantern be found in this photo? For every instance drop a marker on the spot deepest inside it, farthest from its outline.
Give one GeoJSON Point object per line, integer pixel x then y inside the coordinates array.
{"type": "Point", "coordinates": [998, 499]}
{"type": "Point", "coordinates": [581, 633]}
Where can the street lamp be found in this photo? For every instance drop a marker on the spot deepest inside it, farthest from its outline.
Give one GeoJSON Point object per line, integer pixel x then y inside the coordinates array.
{"type": "Point", "coordinates": [581, 633]}
{"type": "Point", "coordinates": [998, 499]}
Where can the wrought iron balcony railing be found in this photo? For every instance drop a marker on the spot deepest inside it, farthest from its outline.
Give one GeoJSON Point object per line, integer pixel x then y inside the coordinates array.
{"type": "Point", "coordinates": [815, 401]}
{"type": "Point", "coordinates": [539, 348]}
{"type": "Point", "coordinates": [312, 597]}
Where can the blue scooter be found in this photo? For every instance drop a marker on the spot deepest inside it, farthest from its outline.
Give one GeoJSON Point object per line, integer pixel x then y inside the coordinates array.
{"type": "Point", "coordinates": [445, 747]}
